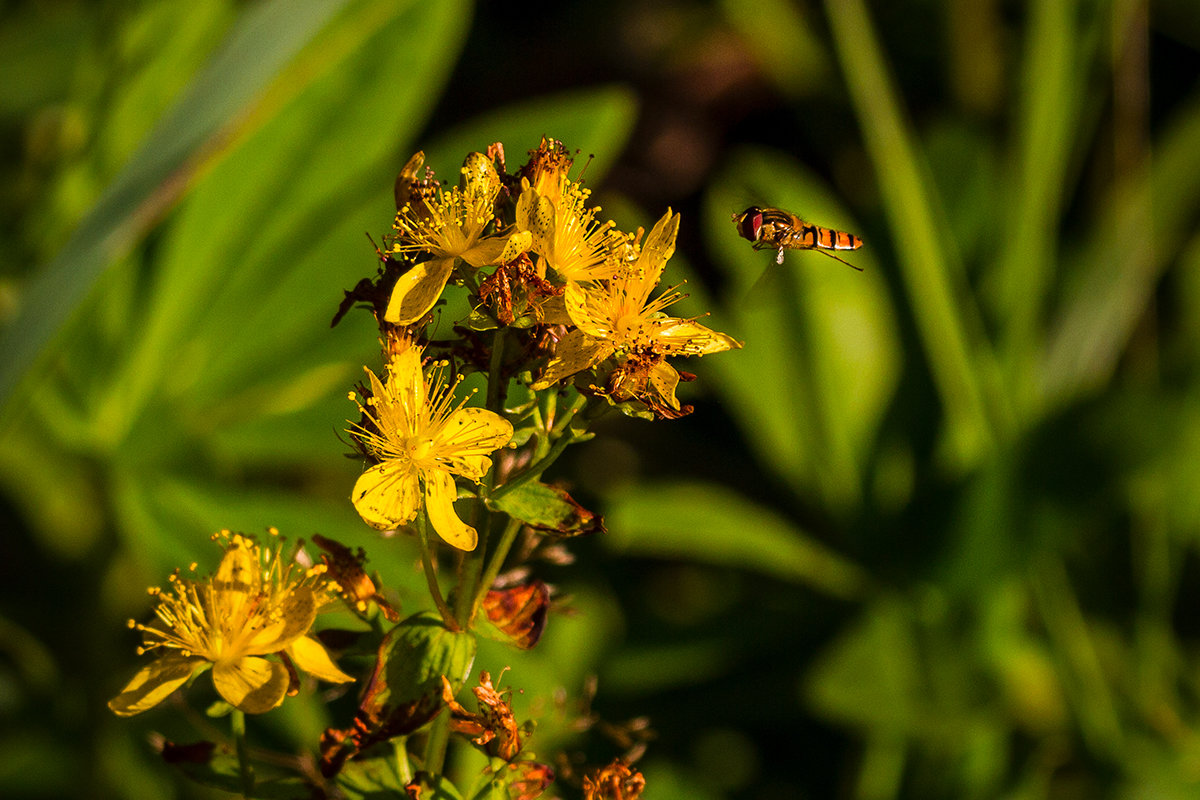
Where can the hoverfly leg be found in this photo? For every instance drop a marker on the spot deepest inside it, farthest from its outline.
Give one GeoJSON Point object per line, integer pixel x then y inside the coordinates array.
{"type": "Point", "coordinates": [836, 258]}
{"type": "Point", "coordinates": [779, 256]}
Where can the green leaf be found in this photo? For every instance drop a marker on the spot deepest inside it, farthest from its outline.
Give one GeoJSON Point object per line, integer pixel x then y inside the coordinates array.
{"type": "Point", "coordinates": [246, 61]}
{"type": "Point", "coordinates": [261, 245]}
{"type": "Point", "coordinates": [405, 689]}
{"type": "Point", "coordinates": [220, 770]}
{"type": "Point", "coordinates": [710, 524]}
{"type": "Point", "coordinates": [548, 508]}
{"type": "Point", "coordinates": [370, 778]}
{"type": "Point", "coordinates": [870, 676]}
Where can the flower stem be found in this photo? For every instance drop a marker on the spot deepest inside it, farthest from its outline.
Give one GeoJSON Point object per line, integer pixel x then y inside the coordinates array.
{"type": "Point", "coordinates": [496, 388]}
{"type": "Point", "coordinates": [403, 768]}
{"type": "Point", "coordinates": [497, 561]}
{"type": "Point", "coordinates": [435, 591]}
{"type": "Point", "coordinates": [237, 721]}
{"type": "Point", "coordinates": [536, 469]}
{"type": "Point", "coordinates": [435, 746]}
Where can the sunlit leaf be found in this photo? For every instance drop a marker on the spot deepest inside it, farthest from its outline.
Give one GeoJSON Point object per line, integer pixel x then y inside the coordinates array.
{"type": "Point", "coordinates": [237, 71]}
{"type": "Point", "coordinates": [711, 524]}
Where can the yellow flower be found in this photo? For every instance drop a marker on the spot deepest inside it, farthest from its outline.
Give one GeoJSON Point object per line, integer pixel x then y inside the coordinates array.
{"type": "Point", "coordinates": [254, 606]}
{"type": "Point", "coordinates": [567, 236]}
{"type": "Point", "coordinates": [449, 225]}
{"type": "Point", "coordinates": [422, 438]}
{"type": "Point", "coordinates": [617, 317]}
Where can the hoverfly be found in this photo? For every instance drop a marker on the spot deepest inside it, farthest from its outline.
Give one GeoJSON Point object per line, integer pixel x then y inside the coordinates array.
{"type": "Point", "coordinates": [778, 229]}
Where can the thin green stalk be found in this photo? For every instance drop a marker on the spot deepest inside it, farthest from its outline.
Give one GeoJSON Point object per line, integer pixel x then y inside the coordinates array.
{"type": "Point", "coordinates": [473, 568]}
{"type": "Point", "coordinates": [1084, 679]}
{"type": "Point", "coordinates": [563, 421]}
{"type": "Point", "coordinates": [537, 469]}
{"type": "Point", "coordinates": [950, 327]}
{"type": "Point", "coordinates": [435, 591]}
{"type": "Point", "coordinates": [496, 562]}
{"type": "Point", "coordinates": [436, 744]}
{"type": "Point", "coordinates": [496, 388]}
{"type": "Point", "coordinates": [403, 767]}
{"type": "Point", "coordinates": [237, 721]}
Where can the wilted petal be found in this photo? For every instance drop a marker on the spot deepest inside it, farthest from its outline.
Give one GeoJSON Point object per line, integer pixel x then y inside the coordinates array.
{"type": "Point", "coordinates": [252, 684]}
{"type": "Point", "coordinates": [311, 657]}
{"type": "Point", "coordinates": [417, 290]}
{"type": "Point", "coordinates": [153, 683]}
{"type": "Point", "coordinates": [440, 493]}
{"type": "Point", "coordinates": [387, 495]}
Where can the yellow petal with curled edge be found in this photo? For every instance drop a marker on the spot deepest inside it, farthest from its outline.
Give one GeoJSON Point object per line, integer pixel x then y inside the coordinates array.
{"type": "Point", "coordinates": [687, 338]}
{"type": "Point", "coordinates": [387, 495]}
{"type": "Point", "coordinates": [153, 683]}
{"type": "Point", "coordinates": [252, 684]}
{"type": "Point", "coordinates": [312, 657]}
{"type": "Point", "coordinates": [440, 494]}
{"type": "Point", "coordinates": [417, 290]}
{"type": "Point", "coordinates": [662, 381]}
{"type": "Point", "coordinates": [519, 242]}
{"type": "Point", "coordinates": [575, 352]}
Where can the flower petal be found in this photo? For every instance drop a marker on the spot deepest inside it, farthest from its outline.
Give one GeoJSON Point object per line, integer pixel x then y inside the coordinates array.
{"type": "Point", "coordinates": [662, 381]}
{"type": "Point", "coordinates": [659, 246]}
{"type": "Point", "coordinates": [417, 290]}
{"type": "Point", "coordinates": [576, 351]}
{"type": "Point", "coordinates": [254, 685]}
{"type": "Point", "coordinates": [440, 493]}
{"type": "Point", "coordinates": [238, 566]}
{"type": "Point", "coordinates": [153, 683]}
{"type": "Point", "coordinates": [296, 615]}
{"type": "Point", "coordinates": [484, 252]}
{"type": "Point", "coordinates": [311, 657]}
{"type": "Point", "coordinates": [519, 242]}
{"type": "Point", "coordinates": [386, 495]}
{"type": "Point", "coordinates": [687, 338]}
{"type": "Point", "coordinates": [472, 431]}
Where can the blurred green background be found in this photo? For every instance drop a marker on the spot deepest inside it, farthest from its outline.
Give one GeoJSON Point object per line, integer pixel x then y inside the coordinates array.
{"type": "Point", "coordinates": [934, 533]}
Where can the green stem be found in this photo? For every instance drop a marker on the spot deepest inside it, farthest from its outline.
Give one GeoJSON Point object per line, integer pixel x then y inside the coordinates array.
{"type": "Point", "coordinates": [435, 745]}
{"type": "Point", "coordinates": [496, 387]}
{"type": "Point", "coordinates": [537, 469]}
{"type": "Point", "coordinates": [473, 568]}
{"type": "Point", "coordinates": [237, 721]}
{"type": "Point", "coordinates": [497, 561]}
{"type": "Point", "coordinates": [403, 767]}
{"type": "Point", "coordinates": [435, 591]}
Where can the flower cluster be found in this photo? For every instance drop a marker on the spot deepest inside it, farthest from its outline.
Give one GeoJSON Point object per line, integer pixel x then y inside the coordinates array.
{"type": "Point", "coordinates": [554, 316]}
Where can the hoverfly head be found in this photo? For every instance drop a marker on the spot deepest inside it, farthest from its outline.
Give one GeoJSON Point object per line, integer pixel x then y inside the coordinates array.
{"type": "Point", "coordinates": [749, 223]}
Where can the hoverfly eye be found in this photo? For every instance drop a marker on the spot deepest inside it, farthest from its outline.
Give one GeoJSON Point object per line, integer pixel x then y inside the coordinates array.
{"type": "Point", "coordinates": [750, 223]}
